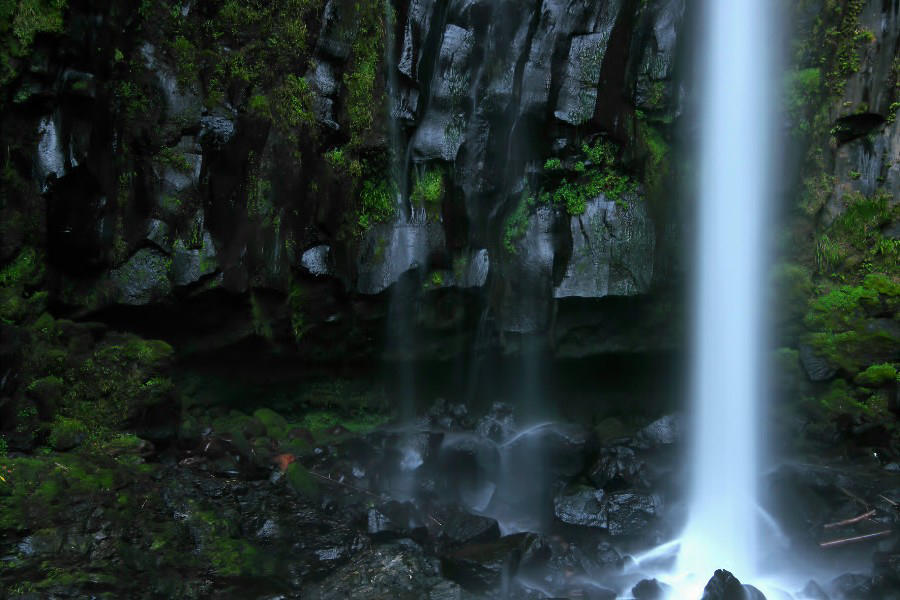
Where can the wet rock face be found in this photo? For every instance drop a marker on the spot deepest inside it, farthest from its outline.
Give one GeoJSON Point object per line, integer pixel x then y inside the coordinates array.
{"type": "Point", "coordinates": [612, 250]}
{"type": "Point", "coordinates": [151, 175]}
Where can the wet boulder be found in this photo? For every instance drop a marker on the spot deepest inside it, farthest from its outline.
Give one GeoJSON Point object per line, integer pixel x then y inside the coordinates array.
{"type": "Point", "coordinates": [483, 567]}
{"type": "Point", "coordinates": [582, 506]}
{"type": "Point", "coordinates": [392, 520]}
{"type": "Point", "coordinates": [618, 465]}
{"type": "Point", "coordinates": [400, 571]}
{"type": "Point", "coordinates": [453, 528]}
{"type": "Point", "coordinates": [472, 465]}
{"type": "Point", "coordinates": [852, 586]}
{"type": "Point", "coordinates": [650, 589]}
{"type": "Point", "coordinates": [499, 424]}
{"type": "Point", "coordinates": [725, 586]}
{"type": "Point", "coordinates": [812, 591]}
{"type": "Point", "coordinates": [665, 431]}
{"type": "Point", "coordinates": [143, 279]}
{"type": "Point", "coordinates": [631, 513]}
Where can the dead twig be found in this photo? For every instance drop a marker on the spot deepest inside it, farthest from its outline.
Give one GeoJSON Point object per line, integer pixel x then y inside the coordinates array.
{"type": "Point", "coordinates": [861, 517]}
{"type": "Point", "coordinates": [853, 540]}
{"type": "Point", "coordinates": [888, 500]}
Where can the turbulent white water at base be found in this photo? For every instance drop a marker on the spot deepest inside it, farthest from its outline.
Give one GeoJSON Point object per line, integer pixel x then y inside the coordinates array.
{"type": "Point", "coordinates": [734, 177]}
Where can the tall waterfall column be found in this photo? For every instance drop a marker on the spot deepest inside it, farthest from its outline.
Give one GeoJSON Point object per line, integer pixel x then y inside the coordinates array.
{"type": "Point", "coordinates": [734, 187]}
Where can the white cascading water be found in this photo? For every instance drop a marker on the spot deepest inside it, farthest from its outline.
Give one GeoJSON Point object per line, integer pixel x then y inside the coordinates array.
{"type": "Point", "coordinates": [734, 188]}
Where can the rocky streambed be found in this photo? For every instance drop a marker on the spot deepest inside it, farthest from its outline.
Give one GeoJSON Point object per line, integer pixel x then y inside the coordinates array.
{"type": "Point", "coordinates": [449, 507]}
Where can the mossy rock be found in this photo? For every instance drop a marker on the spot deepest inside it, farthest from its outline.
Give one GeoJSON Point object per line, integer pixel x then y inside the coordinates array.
{"type": "Point", "coordinates": [127, 444]}
{"type": "Point", "coordinates": [301, 481]}
{"type": "Point", "coordinates": [276, 425]}
{"type": "Point", "coordinates": [67, 434]}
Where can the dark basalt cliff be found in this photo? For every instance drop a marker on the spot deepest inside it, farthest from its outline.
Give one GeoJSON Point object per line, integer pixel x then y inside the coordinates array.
{"type": "Point", "coordinates": [193, 173]}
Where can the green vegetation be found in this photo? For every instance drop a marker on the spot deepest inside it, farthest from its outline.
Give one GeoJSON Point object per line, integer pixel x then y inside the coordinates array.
{"type": "Point", "coordinates": [596, 175]}
{"type": "Point", "coordinates": [516, 223]}
{"type": "Point", "coordinates": [428, 192]}
{"type": "Point", "coordinates": [878, 375]}
{"type": "Point", "coordinates": [170, 157]}
{"type": "Point", "coordinates": [429, 188]}
{"type": "Point", "coordinates": [20, 22]}
{"type": "Point", "coordinates": [376, 204]}
{"type": "Point", "coordinates": [842, 325]}
{"type": "Point", "coordinates": [366, 55]}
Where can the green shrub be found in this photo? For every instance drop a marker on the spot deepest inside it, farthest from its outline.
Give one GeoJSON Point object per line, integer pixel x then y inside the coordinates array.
{"type": "Point", "coordinates": [376, 204]}
{"type": "Point", "coordinates": [429, 188]}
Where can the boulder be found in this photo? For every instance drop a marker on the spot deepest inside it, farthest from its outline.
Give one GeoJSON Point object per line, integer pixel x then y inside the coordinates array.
{"type": "Point", "coordinates": [143, 279]}
{"type": "Point", "coordinates": [650, 589]}
{"type": "Point", "coordinates": [583, 506]}
{"type": "Point", "coordinates": [662, 432]}
{"type": "Point", "coordinates": [618, 465]}
{"type": "Point", "coordinates": [484, 567]}
{"type": "Point", "coordinates": [631, 513]}
{"type": "Point", "coordinates": [724, 586]}
{"type": "Point", "coordinates": [499, 424]}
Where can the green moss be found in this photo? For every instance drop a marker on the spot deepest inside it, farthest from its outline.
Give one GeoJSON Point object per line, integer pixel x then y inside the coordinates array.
{"type": "Point", "coordinates": [516, 224]}
{"type": "Point", "coordinates": [877, 375]}
{"type": "Point", "coordinates": [104, 384]}
{"type": "Point", "coordinates": [185, 55]}
{"type": "Point", "coordinates": [365, 62]}
{"type": "Point", "coordinates": [20, 22]}
{"type": "Point", "coordinates": [170, 157]}
{"type": "Point", "coordinates": [318, 422]}
{"type": "Point", "coordinates": [275, 424]}
{"type": "Point", "coordinates": [26, 269]}
{"type": "Point", "coordinates": [292, 103]}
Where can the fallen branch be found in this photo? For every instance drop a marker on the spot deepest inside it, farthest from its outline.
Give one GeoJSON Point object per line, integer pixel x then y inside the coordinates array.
{"type": "Point", "coordinates": [888, 500]}
{"type": "Point", "coordinates": [861, 517]}
{"type": "Point", "coordinates": [853, 540]}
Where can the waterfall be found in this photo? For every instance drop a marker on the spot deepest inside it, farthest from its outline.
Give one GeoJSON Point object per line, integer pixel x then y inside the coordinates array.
{"type": "Point", "coordinates": [734, 182]}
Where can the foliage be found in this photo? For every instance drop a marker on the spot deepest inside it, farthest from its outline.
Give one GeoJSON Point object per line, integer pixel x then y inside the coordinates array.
{"type": "Point", "coordinates": [174, 159]}
{"type": "Point", "coordinates": [20, 22]}
{"type": "Point", "coordinates": [877, 375]}
{"type": "Point", "coordinates": [105, 385]}
{"type": "Point", "coordinates": [595, 173]}
{"type": "Point", "coordinates": [516, 223]}
{"type": "Point", "coordinates": [429, 188]}
{"type": "Point", "coordinates": [365, 60]}
{"type": "Point", "coordinates": [376, 204]}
